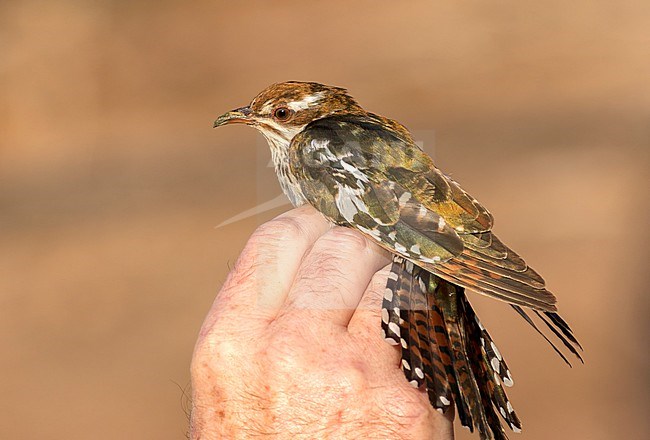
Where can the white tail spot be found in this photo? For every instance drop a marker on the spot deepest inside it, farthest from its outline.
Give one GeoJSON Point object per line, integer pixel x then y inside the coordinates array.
{"type": "Point", "coordinates": [384, 316]}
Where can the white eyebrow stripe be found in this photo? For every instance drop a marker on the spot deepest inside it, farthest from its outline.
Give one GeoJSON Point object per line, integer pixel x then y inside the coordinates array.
{"type": "Point", "coordinates": [306, 102]}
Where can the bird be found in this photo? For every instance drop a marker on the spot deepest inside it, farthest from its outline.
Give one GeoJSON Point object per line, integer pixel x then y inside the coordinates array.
{"type": "Point", "coordinates": [365, 171]}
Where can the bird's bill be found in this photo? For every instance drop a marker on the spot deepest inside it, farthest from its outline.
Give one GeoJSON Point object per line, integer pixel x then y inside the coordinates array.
{"type": "Point", "coordinates": [238, 116]}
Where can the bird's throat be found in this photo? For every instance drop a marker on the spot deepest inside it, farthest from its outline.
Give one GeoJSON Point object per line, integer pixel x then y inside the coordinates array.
{"type": "Point", "coordinates": [288, 183]}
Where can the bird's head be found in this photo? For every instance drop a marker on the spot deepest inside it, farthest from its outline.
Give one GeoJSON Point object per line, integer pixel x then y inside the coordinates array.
{"type": "Point", "coordinates": [282, 110]}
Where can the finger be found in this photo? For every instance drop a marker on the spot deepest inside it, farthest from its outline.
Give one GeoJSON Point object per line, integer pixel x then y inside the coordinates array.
{"type": "Point", "coordinates": [365, 323]}
{"type": "Point", "coordinates": [258, 284]}
{"type": "Point", "coordinates": [333, 276]}
{"type": "Point", "coordinates": [368, 313]}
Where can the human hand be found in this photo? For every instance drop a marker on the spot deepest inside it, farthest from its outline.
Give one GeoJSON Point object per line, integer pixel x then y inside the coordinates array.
{"type": "Point", "coordinates": [291, 347]}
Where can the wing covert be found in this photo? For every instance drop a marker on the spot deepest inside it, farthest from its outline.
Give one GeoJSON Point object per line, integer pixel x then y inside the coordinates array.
{"type": "Point", "coordinates": [361, 174]}
{"type": "Point", "coordinates": [340, 165]}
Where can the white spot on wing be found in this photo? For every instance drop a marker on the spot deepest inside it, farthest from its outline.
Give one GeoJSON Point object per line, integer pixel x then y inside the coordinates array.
{"type": "Point", "coordinates": [374, 233]}
{"type": "Point", "coordinates": [349, 202]}
{"type": "Point", "coordinates": [441, 224]}
{"type": "Point", "coordinates": [317, 144]}
{"type": "Point", "coordinates": [354, 171]}
{"type": "Point", "coordinates": [405, 197]}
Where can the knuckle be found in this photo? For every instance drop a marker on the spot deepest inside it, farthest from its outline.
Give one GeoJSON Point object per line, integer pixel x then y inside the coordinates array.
{"type": "Point", "coordinates": [205, 360]}
{"type": "Point", "coordinates": [264, 245]}
{"type": "Point", "coordinates": [289, 336]}
{"type": "Point", "coordinates": [280, 229]}
{"type": "Point", "coordinates": [216, 348]}
{"type": "Point", "coordinates": [353, 379]}
{"type": "Point", "coordinates": [284, 353]}
{"type": "Point", "coordinates": [221, 354]}
{"type": "Point", "coordinates": [342, 239]}
{"type": "Point", "coordinates": [324, 275]}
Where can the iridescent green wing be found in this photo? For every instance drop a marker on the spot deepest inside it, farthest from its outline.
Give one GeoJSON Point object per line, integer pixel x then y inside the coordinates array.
{"type": "Point", "coordinates": [343, 164]}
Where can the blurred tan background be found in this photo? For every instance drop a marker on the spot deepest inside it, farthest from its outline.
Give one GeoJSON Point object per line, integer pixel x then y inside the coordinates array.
{"type": "Point", "coordinates": [112, 182]}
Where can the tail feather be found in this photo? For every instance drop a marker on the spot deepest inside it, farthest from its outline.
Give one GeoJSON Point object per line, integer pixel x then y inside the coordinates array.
{"type": "Point", "coordinates": [417, 349]}
{"type": "Point", "coordinates": [446, 350]}
{"type": "Point", "coordinates": [485, 382]}
{"type": "Point", "coordinates": [494, 360]}
{"type": "Point", "coordinates": [445, 386]}
{"type": "Point", "coordinates": [423, 359]}
{"type": "Point", "coordinates": [390, 318]}
{"type": "Point", "coordinates": [410, 340]}
{"type": "Point", "coordinates": [488, 376]}
{"type": "Point", "coordinates": [434, 375]}
{"type": "Point", "coordinates": [470, 395]}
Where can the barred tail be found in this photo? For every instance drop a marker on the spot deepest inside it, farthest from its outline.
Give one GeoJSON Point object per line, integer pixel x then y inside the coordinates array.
{"type": "Point", "coordinates": [446, 350]}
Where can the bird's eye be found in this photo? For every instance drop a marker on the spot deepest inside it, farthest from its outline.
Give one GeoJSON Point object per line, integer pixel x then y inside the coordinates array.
{"type": "Point", "coordinates": [282, 113]}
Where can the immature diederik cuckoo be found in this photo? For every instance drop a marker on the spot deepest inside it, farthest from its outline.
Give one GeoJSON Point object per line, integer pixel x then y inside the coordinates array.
{"type": "Point", "coordinates": [364, 171]}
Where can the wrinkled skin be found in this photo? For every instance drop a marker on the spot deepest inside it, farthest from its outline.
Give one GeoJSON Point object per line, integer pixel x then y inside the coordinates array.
{"type": "Point", "coordinates": [291, 348]}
